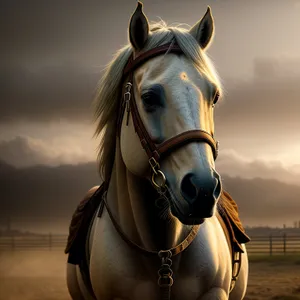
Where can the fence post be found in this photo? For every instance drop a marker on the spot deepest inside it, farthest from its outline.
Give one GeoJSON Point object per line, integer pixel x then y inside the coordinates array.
{"type": "Point", "coordinates": [284, 243]}
{"type": "Point", "coordinates": [50, 241]}
{"type": "Point", "coordinates": [271, 244]}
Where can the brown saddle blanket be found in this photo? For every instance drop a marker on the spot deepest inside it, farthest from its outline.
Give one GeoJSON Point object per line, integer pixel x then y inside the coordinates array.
{"type": "Point", "coordinates": [228, 211]}
{"type": "Point", "coordinates": [80, 223]}
{"type": "Point", "coordinates": [86, 209]}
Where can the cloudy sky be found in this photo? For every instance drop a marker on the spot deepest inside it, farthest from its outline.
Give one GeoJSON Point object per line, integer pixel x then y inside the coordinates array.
{"type": "Point", "coordinates": [53, 53]}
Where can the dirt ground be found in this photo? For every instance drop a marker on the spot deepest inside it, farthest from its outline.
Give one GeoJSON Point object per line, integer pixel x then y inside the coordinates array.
{"type": "Point", "coordinates": [276, 279]}
{"type": "Point", "coordinates": [41, 276]}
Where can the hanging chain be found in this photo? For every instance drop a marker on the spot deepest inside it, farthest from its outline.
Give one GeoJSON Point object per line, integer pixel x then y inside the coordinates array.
{"type": "Point", "coordinates": [165, 273]}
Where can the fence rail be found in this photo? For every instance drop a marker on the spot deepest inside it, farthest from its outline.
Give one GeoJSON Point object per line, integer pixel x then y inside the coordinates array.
{"type": "Point", "coordinates": [33, 242]}
{"type": "Point", "coordinates": [269, 245]}
{"type": "Point", "coordinates": [274, 244]}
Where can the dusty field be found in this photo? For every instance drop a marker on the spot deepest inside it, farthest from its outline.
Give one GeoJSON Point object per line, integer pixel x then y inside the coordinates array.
{"type": "Point", "coordinates": [40, 276]}
{"type": "Point", "coordinates": [274, 280]}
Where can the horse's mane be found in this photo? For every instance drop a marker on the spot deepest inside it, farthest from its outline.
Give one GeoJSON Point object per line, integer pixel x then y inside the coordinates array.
{"type": "Point", "coordinates": [108, 96]}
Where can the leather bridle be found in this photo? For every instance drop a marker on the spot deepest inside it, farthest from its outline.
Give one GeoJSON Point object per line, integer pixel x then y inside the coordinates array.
{"type": "Point", "coordinates": [156, 152]}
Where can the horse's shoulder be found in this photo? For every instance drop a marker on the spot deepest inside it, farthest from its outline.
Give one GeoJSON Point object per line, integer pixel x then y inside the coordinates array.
{"type": "Point", "coordinates": [82, 217]}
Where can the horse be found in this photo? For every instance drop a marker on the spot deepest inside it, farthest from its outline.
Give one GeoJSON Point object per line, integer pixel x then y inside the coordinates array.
{"type": "Point", "coordinates": [155, 230]}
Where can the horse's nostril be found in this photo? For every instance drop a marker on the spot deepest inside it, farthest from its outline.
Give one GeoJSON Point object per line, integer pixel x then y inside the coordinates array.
{"type": "Point", "coordinates": [188, 190]}
{"type": "Point", "coordinates": [217, 190]}
{"type": "Point", "coordinates": [203, 187]}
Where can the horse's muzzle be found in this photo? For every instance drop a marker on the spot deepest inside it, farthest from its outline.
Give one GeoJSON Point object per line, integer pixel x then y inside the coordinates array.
{"type": "Point", "coordinates": [201, 191]}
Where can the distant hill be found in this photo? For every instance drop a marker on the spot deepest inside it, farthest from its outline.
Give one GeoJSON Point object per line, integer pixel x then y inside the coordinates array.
{"type": "Point", "coordinates": [5, 167]}
{"type": "Point", "coordinates": [45, 191]}
{"type": "Point", "coordinates": [55, 191]}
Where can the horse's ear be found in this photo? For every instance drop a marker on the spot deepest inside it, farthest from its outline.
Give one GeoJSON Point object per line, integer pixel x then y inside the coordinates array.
{"type": "Point", "coordinates": [138, 28]}
{"type": "Point", "coordinates": [203, 31]}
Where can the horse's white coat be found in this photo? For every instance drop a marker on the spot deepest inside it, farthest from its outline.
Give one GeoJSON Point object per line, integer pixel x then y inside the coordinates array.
{"type": "Point", "coordinates": [203, 270]}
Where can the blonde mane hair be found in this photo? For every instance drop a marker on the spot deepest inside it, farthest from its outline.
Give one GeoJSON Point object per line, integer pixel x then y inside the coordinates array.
{"type": "Point", "coordinates": [108, 97]}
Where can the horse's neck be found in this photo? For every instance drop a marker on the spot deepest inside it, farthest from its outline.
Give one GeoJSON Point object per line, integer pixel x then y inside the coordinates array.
{"type": "Point", "coordinates": [133, 203]}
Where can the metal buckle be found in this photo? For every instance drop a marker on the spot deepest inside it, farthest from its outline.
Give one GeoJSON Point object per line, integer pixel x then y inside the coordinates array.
{"type": "Point", "coordinates": [128, 86]}
{"type": "Point", "coordinates": [154, 164]}
{"type": "Point", "coordinates": [157, 173]}
{"type": "Point", "coordinates": [127, 94]}
{"type": "Point", "coordinates": [237, 261]}
{"type": "Point", "coordinates": [161, 185]}
{"type": "Point", "coordinates": [236, 267]}
{"type": "Point", "coordinates": [127, 98]}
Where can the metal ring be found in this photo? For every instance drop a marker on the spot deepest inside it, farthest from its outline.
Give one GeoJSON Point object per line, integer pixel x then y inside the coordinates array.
{"type": "Point", "coordinates": [165, 281]}
{"type": "Point", "coordinates": [165, 272]}
{"type": "Point", "coordinates": [165, 254]}
{"type": "Point", "coordinates": [163, 177]}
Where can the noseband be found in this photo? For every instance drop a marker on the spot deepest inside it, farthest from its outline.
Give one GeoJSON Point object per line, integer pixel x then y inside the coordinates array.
{"type": "Point", "coordinates": [155, 151]}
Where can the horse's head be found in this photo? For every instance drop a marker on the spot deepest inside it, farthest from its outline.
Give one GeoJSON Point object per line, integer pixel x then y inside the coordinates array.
{"type": "Point", "coordinates": [175, 93]}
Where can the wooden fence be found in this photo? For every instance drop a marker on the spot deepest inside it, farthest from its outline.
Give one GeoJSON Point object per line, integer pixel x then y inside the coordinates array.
{"type": "Point", "coordinates": [269, 245]}
{"type": "Point", "coordinates": [33, 242]}
{"type": "Point", "coordinates": [274, 244]}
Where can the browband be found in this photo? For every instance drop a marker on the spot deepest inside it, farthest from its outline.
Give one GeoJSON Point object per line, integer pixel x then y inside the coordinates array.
{"type": "Point", "coordinates": [134, 63]}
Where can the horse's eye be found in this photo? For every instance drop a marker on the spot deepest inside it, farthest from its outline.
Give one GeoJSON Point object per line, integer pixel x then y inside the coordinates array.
{"type": "Point", "coordinates": [153, 98]}
{"type": "Point", "coordinates": [150, 101]}
{"type": "Point", "coordinates": [148, 98]}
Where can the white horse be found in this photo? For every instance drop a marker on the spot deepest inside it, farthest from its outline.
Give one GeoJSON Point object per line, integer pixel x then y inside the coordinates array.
{"type": "Point", "coordinates": [171, 204]}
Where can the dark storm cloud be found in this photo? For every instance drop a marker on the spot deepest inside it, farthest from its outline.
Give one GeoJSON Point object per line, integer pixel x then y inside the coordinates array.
{"type": "Point", "coordinates": [55, 192]}
{"type": "Point", "coordinates": [24, 151]}
{"type": "Point", "coordinates": [261, 110]}
{"type": "Point", "coordinates": [38, 29]}
{"type": "Point", "coordinates": [57, 33]}
{"type": "Point", "coordinates": [67, 92]}
{"type": "Point", "coordinates": [20, 152]}
{"type": "Point", "coordinates": [50, 94]}
{"type": "Point", "coordinates": [31, 28]}
{"type": "Point", "coordinates": [50, 33]}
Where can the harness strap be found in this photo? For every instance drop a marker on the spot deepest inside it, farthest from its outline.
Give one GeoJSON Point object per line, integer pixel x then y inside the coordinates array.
{"type": "Point", "coordinates": [187, 137]}
{"type": "Point", "coordinates": [174, 251]}
{"type": "Point", "coordinates": [165, 279]}
{"type": "Point", "coordinates": [236, 255]}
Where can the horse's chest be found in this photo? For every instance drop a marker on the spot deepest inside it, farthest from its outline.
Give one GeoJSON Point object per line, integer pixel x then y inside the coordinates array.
{"type": "Point", "coordinates": [118, 271]}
